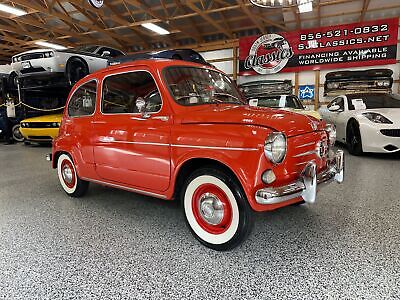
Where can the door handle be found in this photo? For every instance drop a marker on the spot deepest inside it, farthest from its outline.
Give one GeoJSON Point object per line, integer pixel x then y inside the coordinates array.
{"type": "Point", "coordinates": [161, 118]}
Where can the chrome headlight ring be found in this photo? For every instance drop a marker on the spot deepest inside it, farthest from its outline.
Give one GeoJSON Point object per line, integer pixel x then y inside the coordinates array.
{"type": "Point", "coordinates": [275, 147]}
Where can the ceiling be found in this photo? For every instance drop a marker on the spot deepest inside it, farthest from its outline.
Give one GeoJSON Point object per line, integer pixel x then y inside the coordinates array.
{"type": "Point", "coordinates": [199, 24]}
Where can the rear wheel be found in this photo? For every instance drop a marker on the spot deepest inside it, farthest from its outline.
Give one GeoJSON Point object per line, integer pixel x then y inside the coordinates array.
{"type": "Point", "coordinates": [216, 209]}
{"type": "Point", "coordinates": [76, 69]}
{"type": "Point", "coordinates": [69, 179]}
{"type": "Point", "coordinates": [353, 139]}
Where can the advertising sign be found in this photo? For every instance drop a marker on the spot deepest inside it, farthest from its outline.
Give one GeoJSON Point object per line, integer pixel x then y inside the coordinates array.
{"type": "Point", "coordinates": [306, 92]}
{"type": "Point", "coordinates": [342, 46]}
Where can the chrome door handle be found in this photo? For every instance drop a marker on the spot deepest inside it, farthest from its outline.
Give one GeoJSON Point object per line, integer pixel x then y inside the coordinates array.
{"type": "Point", "coordinates": [162, 118]}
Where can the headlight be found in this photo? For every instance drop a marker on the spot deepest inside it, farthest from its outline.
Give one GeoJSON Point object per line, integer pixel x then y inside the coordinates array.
{"type": "Point", "coordinates": [377, 118]}
{"type": "Point", "coordinates": [331, 130]}
{"type": "Point", "coordinates": [333, 85]}
{"type": "Point", "coordinates": [275, 147]}
{"type": "Point", "coordinates": [383, 83]}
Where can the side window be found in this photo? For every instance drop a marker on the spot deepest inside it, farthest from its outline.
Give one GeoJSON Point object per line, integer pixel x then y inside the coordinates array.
{"type": "Point", "coordinates": [337, 101]}
{"type": "Point", "coordinates": [113, 52]}
{"type": "Point", "coordinates": [83, 101]}
{"type": "Point", "coordinates": [122, 92]}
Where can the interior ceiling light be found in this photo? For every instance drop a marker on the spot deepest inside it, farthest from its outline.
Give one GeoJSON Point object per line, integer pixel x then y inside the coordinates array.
{"type": "Point", "coordinates": [155, 28]}
{"type": "Point", "coordinates": [12, 10]}
{"type": "Point", "coordinates": [50, 45]}
{"type": "Point", "coordinates": [304, 5]}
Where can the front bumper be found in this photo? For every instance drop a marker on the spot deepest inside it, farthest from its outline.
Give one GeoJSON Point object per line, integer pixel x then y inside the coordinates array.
{"type": "Point", "coordinates": [306, 186]}
{"type": "Point", "coordinates": [39, 134]}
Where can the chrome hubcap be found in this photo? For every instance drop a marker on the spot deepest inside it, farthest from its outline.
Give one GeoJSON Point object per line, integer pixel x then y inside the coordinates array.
{"type": "Point", "coordinates": [211, 209]}
{"type": "Point", "coordinates": [67, 174]}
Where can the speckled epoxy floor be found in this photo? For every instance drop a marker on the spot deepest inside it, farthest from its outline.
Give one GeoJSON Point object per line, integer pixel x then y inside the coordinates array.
{"type": "Point", "coordinates": [117, 245]}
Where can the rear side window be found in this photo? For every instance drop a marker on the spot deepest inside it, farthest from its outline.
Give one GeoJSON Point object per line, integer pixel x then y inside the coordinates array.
{"type": "Point", "coordinates": [121, 93]}
{"type": "Point", "coordinates": [83, 101]}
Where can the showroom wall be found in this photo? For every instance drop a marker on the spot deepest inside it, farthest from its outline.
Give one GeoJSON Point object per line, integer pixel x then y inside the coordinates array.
{"type": "Point", "coordinates": [223, 60]}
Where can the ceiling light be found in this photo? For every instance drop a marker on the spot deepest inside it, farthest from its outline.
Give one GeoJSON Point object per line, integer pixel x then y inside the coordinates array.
{"type": "Point", "coordinates": [305, 7]}
{"type": "Point", "coordinates": [155, 28]}
{"type": "Point", "coordinates": [281, 3]}
{"type": "Point", "coordinates": [50, 45]}
{"type": "Point", "coordinates": [12, 10]}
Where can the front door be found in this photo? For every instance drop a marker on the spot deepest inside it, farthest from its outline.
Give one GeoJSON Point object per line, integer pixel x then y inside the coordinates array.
{"type": "Point", "coordinates": [132, 132]}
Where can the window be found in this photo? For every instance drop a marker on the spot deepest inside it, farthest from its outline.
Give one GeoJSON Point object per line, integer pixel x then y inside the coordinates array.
{"type": "Point", "coordinates": [337, 101]}
{"type": "Point", "coordinates": [83, 101]}
{"type": "Point", "coordinates": [122, 92]}
{"type": "Point", "coordinates": [113, 52]}
{"type": "Point", "coordinates": [197, 86]}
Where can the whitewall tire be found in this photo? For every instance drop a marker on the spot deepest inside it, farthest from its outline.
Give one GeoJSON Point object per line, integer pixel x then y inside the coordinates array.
{"type": "Point", "coordinates": [69, 179]}
{"type": "Point", "coordinates": [216, 209]}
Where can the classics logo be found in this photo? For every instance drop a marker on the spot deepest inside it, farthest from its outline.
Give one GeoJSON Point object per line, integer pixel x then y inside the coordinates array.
{"type": "Point", "coordinates": [96, 3]}
{"type": "Point", "coordinates": [269, 54]}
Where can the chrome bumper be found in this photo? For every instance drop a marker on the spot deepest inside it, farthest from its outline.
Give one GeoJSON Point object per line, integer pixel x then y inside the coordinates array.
{"type": "Point", "coordinates": [306, 186]}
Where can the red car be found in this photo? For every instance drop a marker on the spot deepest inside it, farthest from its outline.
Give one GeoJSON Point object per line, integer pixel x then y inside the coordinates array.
{"type": "Point", "coordinates": [180, 130]}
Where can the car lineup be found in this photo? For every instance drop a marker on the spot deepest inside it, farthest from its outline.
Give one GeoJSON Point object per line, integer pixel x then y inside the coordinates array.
{"type": "Point", "coordinates": [366, 122]}
{"type": "Point", "coordinates": [180, 130]}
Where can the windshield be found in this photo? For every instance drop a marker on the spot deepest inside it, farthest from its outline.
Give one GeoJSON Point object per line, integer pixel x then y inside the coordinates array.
{"type": "Point", "coordinates": [88, 49]}
{"type": "Point", "coordinates": [372, 101]}
{"type": "Point", "coordinates": [279, 102]}
{"type": "Point", "coordinates": [192, 86]}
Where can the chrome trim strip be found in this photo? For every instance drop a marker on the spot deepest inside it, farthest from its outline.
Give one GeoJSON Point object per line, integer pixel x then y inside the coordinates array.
{"type": "Point", "coordinates": [215, 148]}
{"type": "Point", "coordinates": [136, 143]}
{"type": "Point", "coordinates": [306, 153]}
{"type": "Point", "coordinates": [305, 163]}
{"type": "Point", "coordinates": [126, 188]}
{"type": "Point", "coordinates": [305, 145]}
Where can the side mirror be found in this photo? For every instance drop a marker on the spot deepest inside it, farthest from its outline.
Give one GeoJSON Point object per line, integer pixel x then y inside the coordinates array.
{"type": "Point", "coordinates": [334, 108]}
{"type": "Point", "coordinates": [141, 107]}
{"type": "Point", "coordinates": [140, 104]}
{"type": "Point", "coordinates": [253, 102]}
{"type": "Point", "coordinates": [106, 53]}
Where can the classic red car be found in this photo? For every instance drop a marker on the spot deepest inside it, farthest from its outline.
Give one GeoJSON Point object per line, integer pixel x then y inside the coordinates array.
{"type": "Point", "coordinates": [179, 130]}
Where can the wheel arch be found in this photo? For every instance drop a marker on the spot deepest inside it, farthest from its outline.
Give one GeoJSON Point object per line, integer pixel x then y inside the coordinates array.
{"type": "Point", "coordinates": [76, 58]}
{"type": "Point", "coordinates": [190, 165]}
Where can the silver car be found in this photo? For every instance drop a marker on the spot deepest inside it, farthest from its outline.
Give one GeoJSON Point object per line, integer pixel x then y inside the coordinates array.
{"type": "Point", "coordinates": [71, 64]}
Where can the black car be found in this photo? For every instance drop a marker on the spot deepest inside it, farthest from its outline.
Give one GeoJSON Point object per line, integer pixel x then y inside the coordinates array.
{"type": "Point", "coordinates": [259, 88]}
{"type": "Point", "coordinates": [178, 54]}
{"type": "Point", "coordinates": [344, 82]}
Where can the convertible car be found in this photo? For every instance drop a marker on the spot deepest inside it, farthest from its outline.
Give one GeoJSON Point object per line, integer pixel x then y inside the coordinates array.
{"type": "Point", "coordinates": [366, 122]}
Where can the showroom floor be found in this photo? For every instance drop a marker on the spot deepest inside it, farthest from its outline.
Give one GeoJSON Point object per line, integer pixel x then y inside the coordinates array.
{"type": "Point", "coordinates": [117, 245]}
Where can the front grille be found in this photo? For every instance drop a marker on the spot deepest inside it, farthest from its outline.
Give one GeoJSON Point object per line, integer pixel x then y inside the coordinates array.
{"type": "Point", "coordinates": [391, 132]}
{"type": "Point", "coordinates": [40, 125]}
{"type": "Point", "coordinates": [31, 56]}
{"type": "Point", "coordinates": [32, 70]}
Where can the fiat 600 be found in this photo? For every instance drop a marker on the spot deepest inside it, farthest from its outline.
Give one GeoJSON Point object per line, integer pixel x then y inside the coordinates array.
{"type": "Point", "coordinates": [180, 130]}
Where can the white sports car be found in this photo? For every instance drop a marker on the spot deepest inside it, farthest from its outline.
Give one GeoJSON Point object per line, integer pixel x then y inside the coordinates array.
{"type": "Point", "coordinates": [73, 64]}
{"type": "Point", "coordinates": [366, 122]}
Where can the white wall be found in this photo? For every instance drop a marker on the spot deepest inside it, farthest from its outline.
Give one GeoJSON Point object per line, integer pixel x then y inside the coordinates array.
{"type": "Point", "coordinates": [307, 77]}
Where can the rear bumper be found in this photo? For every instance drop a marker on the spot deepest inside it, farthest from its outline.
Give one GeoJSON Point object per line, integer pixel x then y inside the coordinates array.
{"type": "Point", "coordinates": [306, 186]}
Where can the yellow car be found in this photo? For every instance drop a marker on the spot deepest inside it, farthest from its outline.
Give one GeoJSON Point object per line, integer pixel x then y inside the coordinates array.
{"type": "Point", "coordinates": [286, 102]}
{"type": "Point", "coordinates": [41, 129]}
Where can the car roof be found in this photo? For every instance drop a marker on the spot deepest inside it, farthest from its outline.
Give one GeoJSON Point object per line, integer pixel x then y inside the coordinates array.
{"type": "Point", "coordinates": [159, 63]}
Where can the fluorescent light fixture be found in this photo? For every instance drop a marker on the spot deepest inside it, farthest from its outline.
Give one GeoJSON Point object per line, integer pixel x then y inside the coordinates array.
{"type": "Point", "coordinates": [305, 7]}
{"type": "Point", "coordinates": [12, 10]}
{"type": "Point", "coordinates": [155, 28]}
{"type": "Point", "coordinates": [50, 45]}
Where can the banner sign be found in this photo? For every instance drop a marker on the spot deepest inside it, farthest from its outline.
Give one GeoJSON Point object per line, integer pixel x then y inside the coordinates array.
{"type": "Point", "coordinates": [342, 46]}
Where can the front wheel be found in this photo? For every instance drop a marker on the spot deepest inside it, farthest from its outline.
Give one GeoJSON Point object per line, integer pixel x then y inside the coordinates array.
{"type": "Point", "coordinates": [69, 179]}
{"type": "Point", "coordinates": [353, 139]}
{"type": "Point", "coordinates": [216, 209]}
{"type": "Point", "coordinates": [76, 70]}
{"type": "Point", "coordinates": [16, 133]}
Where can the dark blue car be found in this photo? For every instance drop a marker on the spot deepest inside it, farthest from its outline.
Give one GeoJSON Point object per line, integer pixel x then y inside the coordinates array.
{"type": "Point", "coordinates": [178, 54]}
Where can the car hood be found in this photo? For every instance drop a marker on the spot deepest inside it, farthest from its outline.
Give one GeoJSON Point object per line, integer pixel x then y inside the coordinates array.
{"type": "Point", "coordinates": [49, 118]}
{"type": "Point", "coordinates": [276, 119]}
{"type": "Point", "coordinates": [311, 113]}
